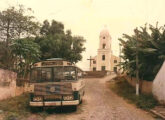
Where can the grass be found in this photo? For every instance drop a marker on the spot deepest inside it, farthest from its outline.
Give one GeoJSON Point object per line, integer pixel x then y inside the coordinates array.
{"type": "Point", "coordinates": [124, 89]}
{"type": "Point", "coordinates": [15, 107]}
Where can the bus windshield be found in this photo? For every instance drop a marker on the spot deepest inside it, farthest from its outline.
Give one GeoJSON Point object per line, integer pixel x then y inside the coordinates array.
{"type": "Point", "coordinates": [53, 74]}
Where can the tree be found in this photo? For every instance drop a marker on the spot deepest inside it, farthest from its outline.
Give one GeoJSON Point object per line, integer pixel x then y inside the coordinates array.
{"type": "Point", "coordinates": [151, 52]}
{"type": "Point", "coordinates": [55, 43]}
{"type": "Point", "coordinates": [15, 24]}
{"type": "Point", "coordinates": [75, 53]}
{"type": "Point", "coordinates": [54, 28]}
{"type": "Point", "coordinates": [26, 52]}
{"type": "Point", "coordinates": [4, 57]}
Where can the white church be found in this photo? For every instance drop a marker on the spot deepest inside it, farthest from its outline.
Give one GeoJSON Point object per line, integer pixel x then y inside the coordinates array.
{"type": "Point", "coordinates": [105, 60]}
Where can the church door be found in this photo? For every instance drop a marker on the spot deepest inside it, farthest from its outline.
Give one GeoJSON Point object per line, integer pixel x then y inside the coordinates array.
{"type": "Point", "coordinates": [102, 68]}
{"type": "Point", "coordinates": [94, 68]}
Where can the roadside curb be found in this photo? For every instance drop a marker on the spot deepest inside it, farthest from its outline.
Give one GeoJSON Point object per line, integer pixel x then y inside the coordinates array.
{"type": "Point", "coordinates": [159, 114]}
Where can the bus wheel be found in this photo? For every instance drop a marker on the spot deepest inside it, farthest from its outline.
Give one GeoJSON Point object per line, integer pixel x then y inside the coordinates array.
{"type": "Point", "coordinates": [81, 101]}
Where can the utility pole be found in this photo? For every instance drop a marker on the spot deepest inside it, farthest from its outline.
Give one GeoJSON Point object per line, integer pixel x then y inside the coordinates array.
{"type": "Point", "coordinates": [137, 62]}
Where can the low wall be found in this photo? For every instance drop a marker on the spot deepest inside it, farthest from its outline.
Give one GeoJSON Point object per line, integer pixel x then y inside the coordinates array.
{"type": "Point", "coordinates": [95, 74]}
{"type": "Point", "coordinates": [145, 86]}
{"type": "Point", "coordinates": [22, 89]}
{"type": "Point", "coordinates": [7, 84]}
{"type": "Point", "coordinates": [22, 86]}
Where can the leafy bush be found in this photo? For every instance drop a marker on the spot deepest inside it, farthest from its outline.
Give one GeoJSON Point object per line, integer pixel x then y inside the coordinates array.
{"type": "Point", "coordinates": [146, 102]}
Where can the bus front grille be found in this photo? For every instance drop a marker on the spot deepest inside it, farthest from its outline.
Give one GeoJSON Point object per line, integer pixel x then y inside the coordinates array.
{"type": "Point", "coordinates": [53, 97]}
{"type": "Point", "coordinates": [52, 89]}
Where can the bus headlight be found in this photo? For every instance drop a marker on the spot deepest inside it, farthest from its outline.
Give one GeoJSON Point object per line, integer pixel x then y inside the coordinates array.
{"type": "Point", "coordinates": [37, 99]}
{"type": "Point", "coordinates": [68, 97]}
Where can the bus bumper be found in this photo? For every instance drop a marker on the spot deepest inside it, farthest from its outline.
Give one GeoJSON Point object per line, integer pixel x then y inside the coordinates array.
{"type": "Point", "coordinates": [54, 103]}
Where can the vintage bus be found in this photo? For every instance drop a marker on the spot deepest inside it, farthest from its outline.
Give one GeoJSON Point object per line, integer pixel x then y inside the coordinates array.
{"type": "Point", "coordinates": [56, 82]}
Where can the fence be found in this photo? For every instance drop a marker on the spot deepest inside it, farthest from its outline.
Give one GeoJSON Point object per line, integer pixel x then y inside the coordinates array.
{"type": "Point", "coordinates": [95, 74]}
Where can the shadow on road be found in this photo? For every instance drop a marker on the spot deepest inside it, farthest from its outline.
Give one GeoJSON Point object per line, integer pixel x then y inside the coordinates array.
{"type": "Point", "coordinates": [57, 110]}
{"type": "Point", "coordinates": [66, 109]}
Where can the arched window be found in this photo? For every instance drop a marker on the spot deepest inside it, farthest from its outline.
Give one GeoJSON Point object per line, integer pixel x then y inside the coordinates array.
{"type": "Point", "coordinates": [104, 45]}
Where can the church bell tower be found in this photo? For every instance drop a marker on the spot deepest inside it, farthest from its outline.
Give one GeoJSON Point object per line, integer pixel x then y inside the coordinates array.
{"type": "Point", "coordinates": [104, 52]}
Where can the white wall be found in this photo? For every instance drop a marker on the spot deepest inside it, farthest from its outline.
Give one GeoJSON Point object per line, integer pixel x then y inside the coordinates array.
{"type": "Point", "coordinates": [159, 85]}
{"type": "Point", "coordinates": [106, 62]}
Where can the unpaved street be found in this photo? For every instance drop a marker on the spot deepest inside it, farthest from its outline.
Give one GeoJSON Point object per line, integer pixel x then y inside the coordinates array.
{"type": "Point", "coordinates": [100, 103]}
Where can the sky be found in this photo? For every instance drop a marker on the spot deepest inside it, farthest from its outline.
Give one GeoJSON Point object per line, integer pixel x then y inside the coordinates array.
{"type": "Point", "coordinates": [88, 17]}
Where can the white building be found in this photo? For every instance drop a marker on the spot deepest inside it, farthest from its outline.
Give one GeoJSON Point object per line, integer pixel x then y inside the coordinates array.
{"type": "Point", "coordinates": [104, 60]}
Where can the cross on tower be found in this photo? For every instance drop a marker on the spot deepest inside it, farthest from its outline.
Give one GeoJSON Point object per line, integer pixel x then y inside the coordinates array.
{"type": "Point", "coordinates": [90, 59]}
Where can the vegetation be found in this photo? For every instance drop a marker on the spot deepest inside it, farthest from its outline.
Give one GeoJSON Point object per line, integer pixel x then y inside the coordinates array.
{"type": "Point", "coordinates": [15, 107]}
{"type": "Point", "coordinates": [149, 43]}
{"type": "Point", "coordinates": [55, 43]}
{"type": "Point", "coordinates": [124, 89]}
{"type": "Point", "coordinates": [14, 24]}
{"type": "Point", "coordinates": [27, 52]}
{"type": "Point", "coordinates": [24, 41]}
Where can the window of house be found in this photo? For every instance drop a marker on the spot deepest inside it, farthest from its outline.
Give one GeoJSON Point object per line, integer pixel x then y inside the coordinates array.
{"type": "Point", "coordinates": [94, 68]}
{"type": "Point", "coordinates": [94, 62]}
{"type": "Point", "coordinates": [103, 68]}
{"type": "Point", "coordinates": [104, 46]}
{"type": "Point", "coordinates": [115, 61]}
{"type": "Point", "coordinates": [103, 57]}
{"type": "Point", "coordinates": [104, 37]}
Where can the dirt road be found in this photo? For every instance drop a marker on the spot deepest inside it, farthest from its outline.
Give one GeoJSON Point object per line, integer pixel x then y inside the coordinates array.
{"type": "Point", "coordinates": [100, 103]}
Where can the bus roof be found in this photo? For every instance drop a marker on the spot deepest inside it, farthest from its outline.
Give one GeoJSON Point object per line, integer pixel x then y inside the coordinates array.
{"type": "Point", "coordinates": [52, 59]}
{"type": "Point", "coordinates": [53, 62]}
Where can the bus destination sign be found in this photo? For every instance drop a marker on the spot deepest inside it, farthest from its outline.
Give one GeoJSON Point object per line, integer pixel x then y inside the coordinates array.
{"type": "Point", "coordinates": [47, 63]}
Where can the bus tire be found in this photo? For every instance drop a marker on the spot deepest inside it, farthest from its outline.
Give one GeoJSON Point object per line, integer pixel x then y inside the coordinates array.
{"type": "Point", "coordinates": [81, 101]}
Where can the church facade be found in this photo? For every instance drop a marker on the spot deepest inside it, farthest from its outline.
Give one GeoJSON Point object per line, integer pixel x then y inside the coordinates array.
{"type": "Point", "coordinates": [105, 60]}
